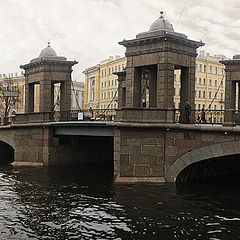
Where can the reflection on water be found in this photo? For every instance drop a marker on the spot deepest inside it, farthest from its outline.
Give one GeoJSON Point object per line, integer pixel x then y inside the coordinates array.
{"type": "Point", "coordinates": [85, 204]}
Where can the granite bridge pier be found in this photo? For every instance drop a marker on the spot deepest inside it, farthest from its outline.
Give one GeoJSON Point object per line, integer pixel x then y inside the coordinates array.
{"type": "Point", "coordinates": [153, 142]}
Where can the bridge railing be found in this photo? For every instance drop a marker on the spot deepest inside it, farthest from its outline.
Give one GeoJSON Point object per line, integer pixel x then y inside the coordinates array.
{"type": "Point", "coordinates": [202, 117]}
{"type": "Point", "coordinates": [196, 116]}
{"type": "Point", "coordinates": [85, 115]}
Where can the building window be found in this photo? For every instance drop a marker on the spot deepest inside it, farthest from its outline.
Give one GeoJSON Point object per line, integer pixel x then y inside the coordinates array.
{"type": "Point", "coordinates": [109, 71]}
{"type": "Point", "coordinates": [204, 68]}
{"type": "Point", "coordinates": [210, 69]}
{"type": "Point", "coordinates": [210, 82]}
{"type": "Point", "coordinates": [200, 81]}
{"type": "Point", "coordinates": [204, 81]}
{"type": "Point", "coordinates": [200, 67]}
{"type": "Point", "coordinates": [199, 94]}
{"type": "Point", "coordinates": [210, 94]}
{"type": "Point", "coordinates": [204, 94]}
{"type": "Point", "coordinates": [119, 68]}
{"type": "Point", "coordinates": [92, 81]}
{"type": "Point", "coordinates": [122, 66]}
{"type": "Point", "coordinates": [221, 96]}
{"type": "Point", "coordinates": [199, 106]}
{"type": "Point", "coordinates": [215, 83]}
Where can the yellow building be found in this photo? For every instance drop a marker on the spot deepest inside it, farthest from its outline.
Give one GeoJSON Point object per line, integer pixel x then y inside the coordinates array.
{"type": "Point", "coordinates": [209, 89]}
{"type": "Point", "coordinates": [108, 81]}
{"type": "Point", "coordinates": [209, 85]}
{"type": "Point", "coordinates": [101, 83]}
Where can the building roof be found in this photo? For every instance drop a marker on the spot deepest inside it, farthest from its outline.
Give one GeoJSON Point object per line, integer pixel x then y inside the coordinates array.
{"type": "Point", "coordinates": [48, 52]}
{"type": "Point", "coordinates": [161, 24]}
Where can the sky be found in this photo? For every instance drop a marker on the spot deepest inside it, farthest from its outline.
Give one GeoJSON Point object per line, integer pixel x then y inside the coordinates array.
{"type": "Point", "coordinates": [89, 30]}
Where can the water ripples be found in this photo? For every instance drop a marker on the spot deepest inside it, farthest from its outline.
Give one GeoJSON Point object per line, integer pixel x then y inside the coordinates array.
{"type": "Point", "coordinates": [39, 204]}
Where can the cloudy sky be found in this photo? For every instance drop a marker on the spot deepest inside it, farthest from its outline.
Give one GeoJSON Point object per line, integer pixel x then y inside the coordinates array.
{"type": "Point", "coordinates": [89, 30]}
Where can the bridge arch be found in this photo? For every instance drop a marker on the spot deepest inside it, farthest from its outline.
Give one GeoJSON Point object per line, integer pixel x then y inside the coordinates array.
{"type": "Point", "coordinates": [7, 150]}
{"type": "Point", "coordinates": [217, 150]}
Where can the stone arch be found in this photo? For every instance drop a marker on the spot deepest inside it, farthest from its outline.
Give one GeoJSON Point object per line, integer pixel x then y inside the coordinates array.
{"type": "Point", "coordinates": [7, 140]}
{"type": "Point", "coordinates": [203, 153]}
{"type": "Point", "coordinates": [7, 150]}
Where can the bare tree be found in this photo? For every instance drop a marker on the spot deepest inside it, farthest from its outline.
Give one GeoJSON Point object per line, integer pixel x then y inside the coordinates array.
{"type": "Point", "coordinates": [8, 95]}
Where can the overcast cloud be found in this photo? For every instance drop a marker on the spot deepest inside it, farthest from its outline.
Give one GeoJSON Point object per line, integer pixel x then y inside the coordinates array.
{"type": "Point", "coordinates": [89, 30]}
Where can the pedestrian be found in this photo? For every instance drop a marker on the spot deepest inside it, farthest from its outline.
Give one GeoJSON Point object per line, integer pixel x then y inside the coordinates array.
{"type": "Point", "coordinates": [185, 112]}
{"type": "Point", "coordinates": [144, 103]}
{"type": "Point", "coordinates": [203, 116]}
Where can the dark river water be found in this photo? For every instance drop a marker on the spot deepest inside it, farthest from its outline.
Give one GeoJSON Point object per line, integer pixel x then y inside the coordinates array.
{"type": "Point", "coordinates": [83, 203]}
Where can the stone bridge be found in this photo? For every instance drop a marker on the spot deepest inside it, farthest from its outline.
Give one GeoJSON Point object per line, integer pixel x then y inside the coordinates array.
{"type": "Point", "coordinates": [137, 152]}
{"type": "Point", "coordinates": [160, 152]}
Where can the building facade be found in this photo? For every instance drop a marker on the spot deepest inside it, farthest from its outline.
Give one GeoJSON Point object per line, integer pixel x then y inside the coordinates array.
{"type": "Point", "coordinates": [210, 83]}
{"type": "Point", "coordinates": [92, 84]}
{"type": "Point", "coordinates": [11, 94]}
{"type": "Point", "coordinates": [101, 85]}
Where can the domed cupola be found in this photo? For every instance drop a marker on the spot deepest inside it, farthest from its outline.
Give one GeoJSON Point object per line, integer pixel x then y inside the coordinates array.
{"type": "Point", "coordinates": [48, 52]}
{"type": "Point", "coordinates": [161, 24]}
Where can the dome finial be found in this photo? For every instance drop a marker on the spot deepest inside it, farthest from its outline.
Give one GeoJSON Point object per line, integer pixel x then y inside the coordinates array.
{"type": "Point", "coordinates": [48, 44]}
{"type": "Point", "coordinates": [161, 14]}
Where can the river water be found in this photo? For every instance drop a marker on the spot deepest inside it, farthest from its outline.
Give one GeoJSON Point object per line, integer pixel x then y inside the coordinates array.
{"type": "Point", "coordinates": [83, 203]}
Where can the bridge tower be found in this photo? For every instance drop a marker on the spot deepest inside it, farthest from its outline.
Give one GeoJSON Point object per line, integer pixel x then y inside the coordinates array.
{"type": "Point", "coordinates": [146, 91]}
{"type": "Point", "coordinates": [232, 87]}
{"type": "Point", "coordinates": [47, 70]}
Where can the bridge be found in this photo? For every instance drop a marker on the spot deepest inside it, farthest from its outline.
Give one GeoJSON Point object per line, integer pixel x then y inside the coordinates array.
{"type": "Point", "coordinates": [151, 152]}
{"type": "Point", "coordinates": [153, 142]}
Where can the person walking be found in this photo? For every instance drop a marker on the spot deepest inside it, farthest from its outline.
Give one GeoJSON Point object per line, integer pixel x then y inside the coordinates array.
{"type": "Point", "coordinates": [144, 103]}
{"type": "Point", "coordinates": [203, 116]}
{"type": "Point", "coordinates": [185, 112]}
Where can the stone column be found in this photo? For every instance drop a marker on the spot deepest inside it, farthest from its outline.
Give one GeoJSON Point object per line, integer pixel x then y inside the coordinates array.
{"type": "Point", "coordinates": [137, 87]}
{"type": "Point", "coordinates": [52, 97]}
{"type": "Point", "coordinates": [184, 90]}
{"type": "Point", "coordinates": [165, 91]}
{"type": "Point", "coordinates": [65, 99]}
{"type": "Point", "coordinates": [121, 89]}
{"type": "Point", "coordinates": [230, 99]}
{"type": "Point", "coordinates": [29, 97]}
{"type": "Point", "coordinates": [45, 96]}
{"type": "Point", "coordinates": [153, 88]}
